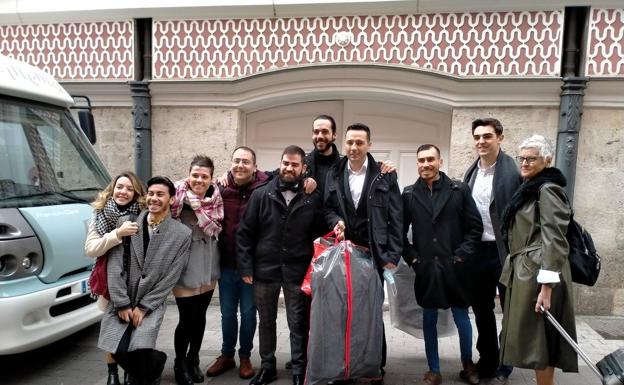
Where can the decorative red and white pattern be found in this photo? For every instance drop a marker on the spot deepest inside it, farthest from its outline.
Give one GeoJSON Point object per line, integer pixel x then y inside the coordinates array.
{"type": "Point", "coordinates": [502, 44]}
{"type": "Point", "coordinates": [605, 51]}
{"type": "Point", "coordinates": [73, 51]}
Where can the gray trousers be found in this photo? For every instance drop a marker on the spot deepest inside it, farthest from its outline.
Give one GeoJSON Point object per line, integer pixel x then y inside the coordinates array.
{"type": "Point", "coordinates": [266, 295]}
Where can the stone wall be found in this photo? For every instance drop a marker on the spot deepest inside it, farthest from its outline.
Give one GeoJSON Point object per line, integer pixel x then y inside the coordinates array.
{"type": "Point", "coordinates": [599, 189]}
{"type": "Point", "coordinates": [599, 205]}
{"type": "Point", "coordinates": [177, 134]}
{"type": "Point", "coordinates": [115, 138]}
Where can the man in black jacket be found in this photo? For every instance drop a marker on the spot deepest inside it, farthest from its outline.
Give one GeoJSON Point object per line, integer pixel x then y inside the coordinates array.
{"type": "Point", "coordinates": [275, 247]}
{"type": "Point", "coordinates": [493, 179]}
{"type": "Point", "coordinates": [446, 228]}
{"type": "Point", "coordinates": [363, 205]}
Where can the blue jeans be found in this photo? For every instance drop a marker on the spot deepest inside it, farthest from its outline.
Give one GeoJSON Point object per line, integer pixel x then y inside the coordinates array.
{"type": "Point", "coordinates": [464, 329]}
{"type": "Point", "coordinates": [232, 291]}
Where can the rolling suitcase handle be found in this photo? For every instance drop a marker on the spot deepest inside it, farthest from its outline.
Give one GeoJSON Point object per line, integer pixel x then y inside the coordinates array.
{"type": "Point", "coordinates": [572, 343]}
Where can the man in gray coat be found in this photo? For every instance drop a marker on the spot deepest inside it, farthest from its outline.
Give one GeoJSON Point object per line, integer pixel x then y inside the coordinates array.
{"type": "Point", "coordinates": [493, 178]}
{"type": "Point", "coordinates": [141, 273]}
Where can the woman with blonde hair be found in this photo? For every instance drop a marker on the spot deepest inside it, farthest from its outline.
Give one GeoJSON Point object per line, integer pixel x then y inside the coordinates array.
{"type": "Point", "coordinates": [537, 270]}
{"type": "Point", "coordinates": [198, 205]}
{"type": "Point", "coordinates": [123, 196]}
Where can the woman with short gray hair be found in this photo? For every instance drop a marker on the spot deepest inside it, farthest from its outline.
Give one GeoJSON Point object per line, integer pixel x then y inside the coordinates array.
{"type": "Point", "coordinates": [537, 270]}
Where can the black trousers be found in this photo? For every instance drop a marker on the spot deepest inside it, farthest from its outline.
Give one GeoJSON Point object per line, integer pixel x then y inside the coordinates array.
{"type": "Point", "coordinates": [266, 295]}
{"type": "Point", "coordinates": [487, 270]}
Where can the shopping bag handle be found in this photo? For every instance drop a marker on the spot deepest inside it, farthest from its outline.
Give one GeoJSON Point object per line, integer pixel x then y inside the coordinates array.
{"type": "Point", "coordinates": [330, 235]}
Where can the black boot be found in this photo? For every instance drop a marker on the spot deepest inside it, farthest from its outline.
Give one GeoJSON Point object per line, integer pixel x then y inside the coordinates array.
{"type": "Point", "coordinates": [113, 379]}
{"type": "Point", "coordinates": [128, 380]}
{"type": "Point", "coordinates": [181, 371]}
{"type": "Point", "coordinates": [194, 370]}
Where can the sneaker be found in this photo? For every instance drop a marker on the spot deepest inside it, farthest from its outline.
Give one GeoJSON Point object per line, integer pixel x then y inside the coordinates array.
{"type": "Point", "coordinates": [220, 366]}
{"type": "Point", "coordinates": [498, 380]}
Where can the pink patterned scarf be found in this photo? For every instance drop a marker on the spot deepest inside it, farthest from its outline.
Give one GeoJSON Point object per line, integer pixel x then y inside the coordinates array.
{"type": "Point", "coordinates": [209, 210]}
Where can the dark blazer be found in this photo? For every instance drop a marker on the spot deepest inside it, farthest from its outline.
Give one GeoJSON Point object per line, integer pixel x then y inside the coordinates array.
{"type": "Point", "coordinates": [507, 179]}
{"type": "Point", "coordinates": [446, 224]}
{"type": "Point", "coordinates": [275, 241]}
{"type": "Point", "coordinates": [383, 196]}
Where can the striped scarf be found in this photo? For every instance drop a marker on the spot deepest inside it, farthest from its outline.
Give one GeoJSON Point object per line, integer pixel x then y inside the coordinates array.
{"type": "Point", "coordinates": [106, 218]}
{"type": "Point", "coordinates": [209, 210]}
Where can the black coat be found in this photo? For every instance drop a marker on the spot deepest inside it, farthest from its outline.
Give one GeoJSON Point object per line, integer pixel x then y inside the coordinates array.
{"type": "Point", "coordinates": [275, 241]}
{"type": "Point", "coordinates": [506, 181]}
{"type": "Point", "coordinates": [383, 199]}
{"type": "Point", "coordinates": [446, 225]}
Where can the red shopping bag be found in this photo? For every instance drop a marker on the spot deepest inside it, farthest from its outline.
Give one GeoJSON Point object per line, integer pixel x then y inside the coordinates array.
{"type": "Point", "coordinates": [320, 245]}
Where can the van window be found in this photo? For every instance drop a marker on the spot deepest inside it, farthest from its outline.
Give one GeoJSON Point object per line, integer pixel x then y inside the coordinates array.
{"type": "Point", "coordinates": [45, 159]}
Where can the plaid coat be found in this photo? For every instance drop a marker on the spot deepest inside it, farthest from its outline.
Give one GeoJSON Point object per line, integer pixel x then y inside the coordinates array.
{"type": "Point", "coordinates": [151, 276]}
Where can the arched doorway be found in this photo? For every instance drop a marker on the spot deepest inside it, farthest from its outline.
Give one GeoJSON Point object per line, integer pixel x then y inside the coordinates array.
{"type": "Point", "coordinates": [396, 130]}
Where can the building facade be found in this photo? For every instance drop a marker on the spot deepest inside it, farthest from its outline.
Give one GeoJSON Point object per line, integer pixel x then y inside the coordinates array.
{"type": "Point", "coordinates": [257, 72]}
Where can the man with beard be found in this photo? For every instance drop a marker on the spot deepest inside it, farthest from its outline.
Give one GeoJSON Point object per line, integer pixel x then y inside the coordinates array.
{"type": "Point", "coordinates": [139, 280]}
{"type": "Point", "coordinates": [242, 179]}
{"type": "Point", "coordinates": [325, 153]}
{"type": "Point", "coordinates": [447, 229]}
{"type": "Point", "coordinates": [493, 179]}
{"type": "Point", "coordinates": [274, 248]}
{"type": "Point", "coordinates": [363, 205]}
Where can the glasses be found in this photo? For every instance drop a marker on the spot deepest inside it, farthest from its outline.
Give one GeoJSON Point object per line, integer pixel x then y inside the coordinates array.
{"type": "Point", "coordinates": [246, 162]}
{"type": "Point", "coordinates": [528, 159]}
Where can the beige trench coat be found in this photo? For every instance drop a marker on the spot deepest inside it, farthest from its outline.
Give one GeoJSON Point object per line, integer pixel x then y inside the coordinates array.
{"type": "Point", "coordinates": [537, 240]}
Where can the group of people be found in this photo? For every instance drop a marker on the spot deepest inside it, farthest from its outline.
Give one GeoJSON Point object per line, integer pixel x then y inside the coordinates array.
{"type": "Point", "coordinates": [503, 228]}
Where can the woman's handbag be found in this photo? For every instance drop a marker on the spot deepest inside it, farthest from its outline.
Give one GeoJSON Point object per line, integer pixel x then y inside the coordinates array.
{"type": "Point", "coordinates": [98, 282]}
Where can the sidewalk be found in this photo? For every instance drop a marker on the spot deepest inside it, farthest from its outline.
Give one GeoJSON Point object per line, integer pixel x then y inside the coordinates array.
{"type": "Point", "coordinates": [406, 354]}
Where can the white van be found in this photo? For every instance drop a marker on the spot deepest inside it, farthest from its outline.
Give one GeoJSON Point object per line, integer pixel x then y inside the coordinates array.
{"type": "Point", "coordinates": [49, 173]}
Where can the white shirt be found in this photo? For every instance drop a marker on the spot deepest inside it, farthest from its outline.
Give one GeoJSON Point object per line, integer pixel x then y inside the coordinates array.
{"type": "Point", "coordinates": [356, 181]}
{"type": "Point", "coordinates": [288, 196]}
{"type": "Point", "coordinates": [482, 195]}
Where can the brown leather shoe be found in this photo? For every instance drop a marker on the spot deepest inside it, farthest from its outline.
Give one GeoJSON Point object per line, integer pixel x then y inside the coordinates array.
{"type": "Point", "coordinates": [245, 370]}
{"type": "Point", "coordinates": [432, 378]}
{"type": "Point", "coordinates": [220, 366]}
{"type": "Point", "coordinates": [470, 373]}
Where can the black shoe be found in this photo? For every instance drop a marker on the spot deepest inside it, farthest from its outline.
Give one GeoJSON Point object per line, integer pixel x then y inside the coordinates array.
{"type": "Point", "coordinates": [288, 365]}
{"type": "Point", "coordinates": [298, 379]}
{"type": "Point", "coordinates": [264, 376]}
{"type": "Point", "coordinates": [181, 371]}
{"type": "Point", "coordinates": [113, 379]}
{"type": "Point", "coordinates": [194, 370]}
{"type": "Point", "coordinates": [128, 380]}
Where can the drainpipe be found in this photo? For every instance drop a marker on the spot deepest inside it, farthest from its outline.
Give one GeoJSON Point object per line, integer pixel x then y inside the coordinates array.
{"type": "Point", "coordinates": [573, 91]}
{"type": "Point", "coordinates": [141, 99]}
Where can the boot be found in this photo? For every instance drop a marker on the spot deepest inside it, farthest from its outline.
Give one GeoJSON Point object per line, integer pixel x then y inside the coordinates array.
{"type": "Point", "coordinates": [470, 373]}
{"type": "Point", "coordinates": [181, 371]}
{"type": "Point", "coordinates": [221, 365]}
{"type": "Point", "coordinates": [245, 370]}
{"type": "Point", "coordinates": [113, 379]}
{"type": "Point", "coordinates": [194, 370]}
{"type": "Point", "coordinates": [432, 378]}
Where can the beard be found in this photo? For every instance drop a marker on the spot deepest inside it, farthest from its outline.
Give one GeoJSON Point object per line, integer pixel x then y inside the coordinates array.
{"type": "Point", "coordinates": [290, 179]}
{"type": "Point", "coordinates": [322, 145]}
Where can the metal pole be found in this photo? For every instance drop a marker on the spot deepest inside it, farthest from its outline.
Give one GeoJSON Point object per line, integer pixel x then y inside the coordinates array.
{"type": "Point", "coordinates": [142, 113]}
{"type": "Point", "coordinates": [573, 91]}
{"type": "Point", "coordinates": [570, 113]}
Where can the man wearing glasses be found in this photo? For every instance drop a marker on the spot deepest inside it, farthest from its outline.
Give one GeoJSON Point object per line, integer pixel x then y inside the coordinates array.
{"type": "Point", "coordinates": [493, 179]}
{"type": "Point", "coordinates": [242, 179]}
